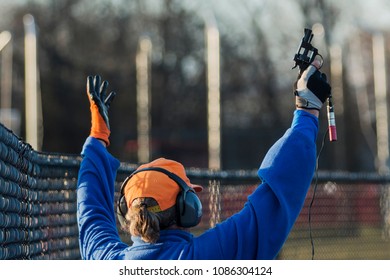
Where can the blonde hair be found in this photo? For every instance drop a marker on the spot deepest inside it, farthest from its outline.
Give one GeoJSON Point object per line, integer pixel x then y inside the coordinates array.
{"type": "Point", "coordinates": [146, 223]}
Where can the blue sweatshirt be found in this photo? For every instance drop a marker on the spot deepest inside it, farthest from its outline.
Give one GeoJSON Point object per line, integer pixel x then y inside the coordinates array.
{"type": "Point", "coordinates": [258, 231]}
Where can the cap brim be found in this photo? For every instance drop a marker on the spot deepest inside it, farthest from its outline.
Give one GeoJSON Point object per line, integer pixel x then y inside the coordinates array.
{"type": "Point", "coordinates": [197, 188]}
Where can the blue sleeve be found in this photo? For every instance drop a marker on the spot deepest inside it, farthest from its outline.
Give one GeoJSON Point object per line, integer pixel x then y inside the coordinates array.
{"type": "Point", "coordinates": [260, 229]}
{"type": "Point", "coordinates": [286, 173]}
{"type": "Point", "coordinates": [98, 235]}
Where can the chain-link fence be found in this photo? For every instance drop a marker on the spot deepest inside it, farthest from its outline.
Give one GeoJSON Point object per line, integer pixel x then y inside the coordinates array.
{"type": "Point", "coordinates": [347, 219]}
{"type": "Point", "coordinates": [345, 215]}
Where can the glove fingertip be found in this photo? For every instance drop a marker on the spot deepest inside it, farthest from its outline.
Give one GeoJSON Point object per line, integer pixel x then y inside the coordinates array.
{"type": "Point", "coordinates": [97, 82]}
{"type": "Point", "coordinates": [110, 98]}
{"type": "Point", "coordinates": [89, 84]}
{"type": "Point", "coordinates": [103, 87]}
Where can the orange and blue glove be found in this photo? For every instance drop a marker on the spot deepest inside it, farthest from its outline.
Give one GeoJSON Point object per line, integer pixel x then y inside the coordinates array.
{"type": "Point", "coordinates": [99, 104]}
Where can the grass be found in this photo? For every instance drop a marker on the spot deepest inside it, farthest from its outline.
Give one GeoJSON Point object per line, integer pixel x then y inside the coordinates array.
{"type": "Point", "coordinates": [359, 244]}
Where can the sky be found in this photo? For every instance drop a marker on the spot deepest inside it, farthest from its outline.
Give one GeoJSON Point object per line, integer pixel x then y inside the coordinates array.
{"type": "Point", "coordinates": [281, 20]}
{"type": "Point", "coordinates": [283, 14]}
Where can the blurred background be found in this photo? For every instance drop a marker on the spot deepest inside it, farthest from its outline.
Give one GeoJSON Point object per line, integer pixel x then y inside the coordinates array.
{"type": "Point", "coordinates": [254, 44]}
{"type": "Point", "coordinates": [207, 83]}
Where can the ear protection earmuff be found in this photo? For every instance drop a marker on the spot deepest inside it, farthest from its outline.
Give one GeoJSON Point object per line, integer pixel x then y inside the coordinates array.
{"type": "Point", "coordinates": [188, 205]}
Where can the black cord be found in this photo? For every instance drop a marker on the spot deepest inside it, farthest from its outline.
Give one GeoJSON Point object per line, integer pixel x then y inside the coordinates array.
{"type": "Point", "coordinates": [314, 193]}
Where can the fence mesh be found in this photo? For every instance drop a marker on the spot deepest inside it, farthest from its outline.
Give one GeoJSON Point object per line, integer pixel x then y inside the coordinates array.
{"type": "Point", "coordinates": [349, 216]}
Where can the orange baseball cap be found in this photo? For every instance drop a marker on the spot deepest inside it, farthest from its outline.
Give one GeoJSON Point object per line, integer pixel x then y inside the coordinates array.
{"type": "Point", "coordinates": [157, 185]}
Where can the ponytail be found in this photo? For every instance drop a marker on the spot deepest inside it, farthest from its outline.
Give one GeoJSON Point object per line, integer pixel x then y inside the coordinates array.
{"type": "Point", "coordinates": [146, 223]}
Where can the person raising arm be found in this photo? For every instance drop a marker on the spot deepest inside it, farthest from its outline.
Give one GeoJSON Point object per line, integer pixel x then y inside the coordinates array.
{"type": "Point", "coordinates": [158, 203]}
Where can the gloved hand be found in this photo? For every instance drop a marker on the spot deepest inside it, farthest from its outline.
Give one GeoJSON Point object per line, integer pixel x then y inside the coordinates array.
{"type": "Point", "coordinates": [99, 105]}
{"type": "Point", "coordinates": [311, 89]}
